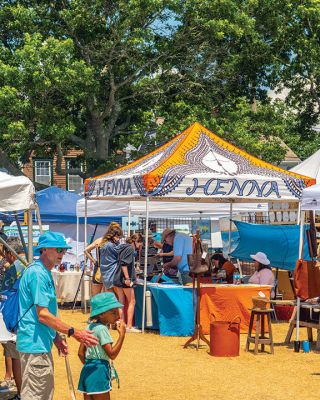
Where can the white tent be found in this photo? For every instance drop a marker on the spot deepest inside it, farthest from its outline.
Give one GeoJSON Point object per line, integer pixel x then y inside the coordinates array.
{"type": "Point", "coordinates": [309, 167]}
{"type": "Point", "coordinates": [196, 166]}
{"type": "Point", "coordinates": [106, 208]}
{"type": "Point", "coordinates": [16, 193]}
{"type": "Point", "coordinates": [310, 199]}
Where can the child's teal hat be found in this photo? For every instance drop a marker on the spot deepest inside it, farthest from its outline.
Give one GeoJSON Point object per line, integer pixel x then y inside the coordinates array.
{"type": "Point", "coordinates": [103, 302]}
{"type": "Point", "coordinates": [51, 239]}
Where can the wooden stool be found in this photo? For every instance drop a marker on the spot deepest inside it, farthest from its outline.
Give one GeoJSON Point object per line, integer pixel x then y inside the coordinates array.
{"type": "Point", "coordinates": [259, 337]}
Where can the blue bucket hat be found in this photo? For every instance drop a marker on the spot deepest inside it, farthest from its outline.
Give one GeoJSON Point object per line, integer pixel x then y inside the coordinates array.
{"type": "Point", "coordinates": [103, 302]}
{"type": "Point", "coordinates": [51, 240]}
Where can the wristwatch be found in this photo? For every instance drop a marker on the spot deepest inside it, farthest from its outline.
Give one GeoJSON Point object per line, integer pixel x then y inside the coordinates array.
{"type": "Point", "coordinates": [70, 332]}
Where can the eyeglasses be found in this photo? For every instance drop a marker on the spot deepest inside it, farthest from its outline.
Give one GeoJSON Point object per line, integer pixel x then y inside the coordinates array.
{"type": "Point", "coordinates": [60, 250]}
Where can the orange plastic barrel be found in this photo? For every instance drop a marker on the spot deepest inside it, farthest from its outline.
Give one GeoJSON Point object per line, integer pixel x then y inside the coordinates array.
{"type": "Point", "coordinates": [225, 338]}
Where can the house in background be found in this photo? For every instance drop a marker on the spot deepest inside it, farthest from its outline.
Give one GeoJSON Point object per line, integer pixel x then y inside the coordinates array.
{"type": "Point", "coordinates": [42, 170]}
{"type": "Point", "coordinates": [290, 159]}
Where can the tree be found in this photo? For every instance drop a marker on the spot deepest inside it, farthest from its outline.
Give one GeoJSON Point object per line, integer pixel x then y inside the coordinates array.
{"type": "Point", "coordinates": [71, 73]}
{"type": "Point", "coordinates": [98, 74]}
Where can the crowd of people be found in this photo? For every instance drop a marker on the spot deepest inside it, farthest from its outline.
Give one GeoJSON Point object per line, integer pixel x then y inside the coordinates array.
{"type": "Point", "coordinates": [115, 261]}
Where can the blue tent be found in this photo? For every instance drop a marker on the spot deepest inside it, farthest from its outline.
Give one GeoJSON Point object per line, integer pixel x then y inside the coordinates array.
{"type": "Point", "coordinates": [279, 242]}
{"type": "Point", "coordinates": [59, 206]}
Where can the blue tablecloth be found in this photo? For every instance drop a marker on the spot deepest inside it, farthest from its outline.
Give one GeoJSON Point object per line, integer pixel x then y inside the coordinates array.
{"type": "Point", "coordinates": [172, 310]}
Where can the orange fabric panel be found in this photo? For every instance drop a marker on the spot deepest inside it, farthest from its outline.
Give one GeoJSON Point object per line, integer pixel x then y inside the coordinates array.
{"type": "Point", "coordinates": [224, 303]}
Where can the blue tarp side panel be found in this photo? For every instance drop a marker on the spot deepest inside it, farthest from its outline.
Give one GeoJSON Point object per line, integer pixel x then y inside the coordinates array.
{"type": "Point", "coordinates": [59, 206]}
{"type": "Point", "coordinates": [279, 242]}
{"type": "Point", "coordinates": [172, 310]}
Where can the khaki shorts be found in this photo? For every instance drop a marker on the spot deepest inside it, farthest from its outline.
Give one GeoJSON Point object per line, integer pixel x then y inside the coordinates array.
{"type": "Point", "coordinates": [10, 350]}
{"type": "Point", "coordinates": [37, 376]}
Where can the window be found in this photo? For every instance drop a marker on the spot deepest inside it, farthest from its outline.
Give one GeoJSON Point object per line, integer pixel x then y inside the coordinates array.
{"type": "Point", "coordinates": [43, 172]}
{"type": "Point", "coordinates": [74, 181]}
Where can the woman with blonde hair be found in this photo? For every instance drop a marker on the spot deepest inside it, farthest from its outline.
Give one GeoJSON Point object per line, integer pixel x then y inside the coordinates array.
{"type": "Point", "coordinates": [113, 235]}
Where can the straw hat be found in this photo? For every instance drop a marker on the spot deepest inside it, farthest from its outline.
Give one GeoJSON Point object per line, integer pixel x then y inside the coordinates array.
{"type": "Point", "coordinates": [166, 233]}
{"type": "Point", "coordinates": [261, 258]}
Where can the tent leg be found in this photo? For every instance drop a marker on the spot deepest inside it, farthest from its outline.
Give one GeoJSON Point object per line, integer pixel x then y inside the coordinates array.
{"type": "Point", "coordinates": [145, 265]}
{"type": "Point", "coordinates": [230, 227]}
{"type": "Point", "coordinates": [83, 300]}
{"type": "Point", "coordinates": [302, 219]}
{"type": "Point", "coordinates": [77, 251]}
{"type": "Point", "coordinates": [129, 219]}
{"type": "Point", "coordinates": [30, 238]}
{"type": "Point", "coordinates": [21, 235]}
{"type": "Point", "coordinates": [38, 218]}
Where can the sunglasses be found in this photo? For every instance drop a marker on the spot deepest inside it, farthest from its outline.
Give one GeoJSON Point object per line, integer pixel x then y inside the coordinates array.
{"type": "Point", "coordinates": [60, 250]}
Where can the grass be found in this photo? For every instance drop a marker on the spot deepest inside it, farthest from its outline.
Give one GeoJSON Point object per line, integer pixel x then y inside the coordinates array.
{"type": "Point", "coordinates": [156, 367]}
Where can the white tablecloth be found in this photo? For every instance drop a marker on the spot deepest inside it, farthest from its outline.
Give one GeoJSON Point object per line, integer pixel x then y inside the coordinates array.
{"type": "Point", "coordinates": [66, 284]}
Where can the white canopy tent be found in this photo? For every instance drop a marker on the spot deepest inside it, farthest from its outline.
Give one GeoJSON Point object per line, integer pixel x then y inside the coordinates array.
{"type": "Point", "coordinates": [109, 208]}
{"type": "Point", "coordinates": [310, 201]}
{"type": "Point", "coordinates": [17, 193]}
{"type": "Point", "coordinates": [309, 167]}
{"type": "Point", "coordinates": [196, 166]}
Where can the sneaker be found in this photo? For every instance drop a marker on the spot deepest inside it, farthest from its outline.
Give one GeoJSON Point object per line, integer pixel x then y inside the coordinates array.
{"type": "Point", "coordinates": [4, 386]}
{"type": "Point", "coordinates": [133, 330]}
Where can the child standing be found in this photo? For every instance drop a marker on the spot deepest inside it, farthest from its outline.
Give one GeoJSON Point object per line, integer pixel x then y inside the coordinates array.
{"type": "Point", "coordinates": [96, 374]}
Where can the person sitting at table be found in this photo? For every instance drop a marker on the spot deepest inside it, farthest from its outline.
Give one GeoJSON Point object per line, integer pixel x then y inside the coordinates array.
{"type": "Point", "coordinates": [263, 274]}
{"type": "Point", "coordinates": [220, 262]}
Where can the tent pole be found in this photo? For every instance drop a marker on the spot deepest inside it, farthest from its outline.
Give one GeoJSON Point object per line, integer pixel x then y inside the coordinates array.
{"type": "Point", "coordinates": [37, 212]}
{"type": "Point", "coordinates": [129, 219]}
{"type": "Point", "coordinates": [21, 235]}
{"type": "Point", "coordinates": [85, 222]}
{"type": "Point", "coordinates": [77, 254]}
{"type": "Point", "coordinates": [145, 264]}
{"type": "Point", "coordinates": [30, 238]}
{"type": "Point", "coordinates": [83, 300]}
{"type": "Point", "coordinates": [299, 215]}
{"type": "Point", "coordinates": [302, 219]}
{"type": "Point", "coordinates": [230, 227]}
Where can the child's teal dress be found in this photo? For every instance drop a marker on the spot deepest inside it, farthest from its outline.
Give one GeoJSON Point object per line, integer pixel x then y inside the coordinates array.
{"type": "Point", "coordinates": [96, 374]}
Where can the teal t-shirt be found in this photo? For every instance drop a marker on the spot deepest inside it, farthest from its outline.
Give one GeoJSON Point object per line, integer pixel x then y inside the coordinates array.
{"type": "Point", "coordinates": [36, 287]}
{"type": "Point", "coordinates": [102, 333]}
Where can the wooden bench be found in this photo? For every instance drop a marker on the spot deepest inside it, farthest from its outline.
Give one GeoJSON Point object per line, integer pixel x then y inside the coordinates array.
{"type": "Point", "coordinates": [303, 324]}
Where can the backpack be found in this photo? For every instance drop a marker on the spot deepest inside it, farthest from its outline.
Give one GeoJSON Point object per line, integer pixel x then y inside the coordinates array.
{"type": "Point", "coordinates": [10, 307]}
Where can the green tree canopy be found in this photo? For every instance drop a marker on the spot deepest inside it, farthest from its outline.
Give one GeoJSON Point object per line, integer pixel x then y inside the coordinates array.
{"type": "Point", "coordinates": [98, 74]}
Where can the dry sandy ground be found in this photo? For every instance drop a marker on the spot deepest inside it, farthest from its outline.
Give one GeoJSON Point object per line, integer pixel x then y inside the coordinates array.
{"type": "Point", "coordinates": [155, 367]}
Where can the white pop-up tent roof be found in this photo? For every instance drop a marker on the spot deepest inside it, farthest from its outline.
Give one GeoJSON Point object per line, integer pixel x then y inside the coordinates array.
{"type": "Point", "coordinates": [16, 193]}
{"type": "Point", "coordinates": [109, 208]}
{"type": "Point", "coordinates": [310, 166]}
{"type": "Point", "coordinates": [311, 198]}
{"type": "Point", "coordinates": [198, 165]}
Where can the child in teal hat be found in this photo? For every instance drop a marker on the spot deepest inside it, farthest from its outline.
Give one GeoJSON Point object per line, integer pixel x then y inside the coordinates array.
{"type": "Point", "coordinates": [96, 375]}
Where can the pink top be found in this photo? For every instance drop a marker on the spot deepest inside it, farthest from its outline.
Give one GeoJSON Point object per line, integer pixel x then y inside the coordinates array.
{"type": "Point", "coordinates": [263, 277]}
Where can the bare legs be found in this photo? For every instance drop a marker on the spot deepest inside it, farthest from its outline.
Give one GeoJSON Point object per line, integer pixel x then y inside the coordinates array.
{"type": "Point", "coordinates": [122, 295]}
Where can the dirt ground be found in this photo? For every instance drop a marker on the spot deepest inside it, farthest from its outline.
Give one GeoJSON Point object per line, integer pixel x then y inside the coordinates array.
{"type": "Point", "coordinates": [156, 367]}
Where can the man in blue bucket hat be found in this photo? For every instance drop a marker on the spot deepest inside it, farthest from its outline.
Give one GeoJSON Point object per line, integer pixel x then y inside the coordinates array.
{"type": "Point", "coordinates": [39, 325]}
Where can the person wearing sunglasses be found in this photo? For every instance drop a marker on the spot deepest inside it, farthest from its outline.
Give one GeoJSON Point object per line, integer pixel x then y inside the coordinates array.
{"type": "Point", "coordinates": [38, 322]}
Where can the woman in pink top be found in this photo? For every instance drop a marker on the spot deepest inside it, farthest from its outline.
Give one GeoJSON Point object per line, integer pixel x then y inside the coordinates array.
{"type": "Point", "coordinates": [263, 274]}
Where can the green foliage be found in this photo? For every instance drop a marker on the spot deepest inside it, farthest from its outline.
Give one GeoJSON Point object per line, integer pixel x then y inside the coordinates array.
{"type": "Point", "coordinates": [98, 74]}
